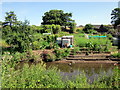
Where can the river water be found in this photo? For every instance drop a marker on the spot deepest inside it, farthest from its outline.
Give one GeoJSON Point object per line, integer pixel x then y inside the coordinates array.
{"type": "Point", "coordinates": [92, 70]}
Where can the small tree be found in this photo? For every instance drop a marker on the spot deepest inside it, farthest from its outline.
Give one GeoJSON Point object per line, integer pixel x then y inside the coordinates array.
{"type": "Point", "coordinates": [10, 19]}
{"type": "Point", "coordinates": [73, 27]}
{"type": "Point", "coordinates": [88, 28]}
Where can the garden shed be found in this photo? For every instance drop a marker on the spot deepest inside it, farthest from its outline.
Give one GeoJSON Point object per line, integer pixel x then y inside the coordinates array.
{"type": "Point", "coordinates": [65, 41]}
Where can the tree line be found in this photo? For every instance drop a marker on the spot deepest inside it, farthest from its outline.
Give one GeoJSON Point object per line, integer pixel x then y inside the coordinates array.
{"type": "Point", "coordinates": [20, 34]}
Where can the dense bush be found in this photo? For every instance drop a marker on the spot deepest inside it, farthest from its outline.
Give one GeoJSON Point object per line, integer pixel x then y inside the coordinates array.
{"type": "Point", "coordinates": [79, 30]}
{"type": "Point", "coordinates": [48, 57]}
{"type": "Point", "coordinates": [75, 50]}
{"type": "Point", "coordinates": [109, 36]}
{"type": "Point", "coordinates": [73, 27]}
{"type": "Point", "coordinates": [19, 37]}
{"type": "Point", "coordinates": [44, 41]}
{"type": "Point", "coordinates": [61, 53]}
{"type": "Point", "coordinates": [35, 76]}
{"type": "Point", "coordinates": [116, 55]}
{"type": "Point", "coordinates": [88, 28]}
{"type": "Point", "coordinates": [54, 29]}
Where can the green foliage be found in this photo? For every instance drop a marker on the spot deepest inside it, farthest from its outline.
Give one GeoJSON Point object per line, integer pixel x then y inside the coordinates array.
{"type": "Point", "coordinates": [80, 81]}
{"type": "Point", "coordinates": [10, 19]}
{"type": "Point", "coordinates": [48, 57]}
{"type": "Point", "coordinates": [73, 27]}
{"type": "Point", "coordinates": [40, 41]}
{"type": "Point", "coordinates": [116, 55]}
{"type": "Point", "coordinates": [75, 50]}
{"type": "Point", "coordinates": [115, 16]}
{"type": "Point", "coordinates": [6, 31]}
{"type": "Point", "coordinates": [79, 30]}
{"type": "Point", "coordinates": [54, 29]}
{"type": "Point", "coordinates": [20, 37]}
{"type": "Point", "coordinates": [37, 76]}
{"type": "Point", "coordinates": [36, 29]}
{"type": "Point", "coordinates": [88, 28]}
{"type": "Point", "coordinates": [61, 53]}
{"type": "Point", "coordinates": [57, 17]}
{"type": "Point", "coordinates": [93, 43]}
{"type": "Point", "coordinates": [112, 81]}
{"type": "Point", "coordinates": [109, 36]}
{"type": "Point", "coordinates": [3, 43]}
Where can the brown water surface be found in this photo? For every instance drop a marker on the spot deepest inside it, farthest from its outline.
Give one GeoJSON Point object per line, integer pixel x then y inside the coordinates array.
{"type": "Point", "coordinates": [92, 70]}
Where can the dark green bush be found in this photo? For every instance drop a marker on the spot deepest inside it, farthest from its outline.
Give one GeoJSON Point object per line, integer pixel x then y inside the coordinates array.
{"type": "Point", "coordinates": [61, 53]}
{"type": "Point", "coordinates": [116, 55]}
{"type": "Point", "coordinates": [75, 50]}
{"type": "Point", "coordinates": [48, 57]}
{"type": "Point", "coordinates": [109, 36]}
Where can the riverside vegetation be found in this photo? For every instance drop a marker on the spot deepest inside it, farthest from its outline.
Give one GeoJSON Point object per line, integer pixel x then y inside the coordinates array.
{"type": "Point", "coordinates": [19, 39]}
{"type": "Point", "coordinates": [37, 76]}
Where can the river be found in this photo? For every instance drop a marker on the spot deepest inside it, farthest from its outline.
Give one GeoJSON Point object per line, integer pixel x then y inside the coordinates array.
{"type": "Point", "coordinates": [91, 70]}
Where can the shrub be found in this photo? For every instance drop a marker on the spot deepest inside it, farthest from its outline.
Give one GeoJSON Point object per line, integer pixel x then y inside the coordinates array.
{"type": "Point", "coordinates": [88, 28]}
{"type": "Point", "coordinates": [51, 28]}
{"type": "Point", "coordinates": [79, 30]}
{"type": "Point", "coordinates": [48, 57]}
{"type": "Point", "coordinates": [116, 55]}
{"type": "Point", "coordinates": [61, 53]}
{"type": "Point", "coordinates": [66, 52]}
{"type": "Point", "coordinates": [35, 76]}
{"type": "Point", "coordinates": [75, 50]}
{"type": "Point", "coordinates": [73, 27]}
{"type": "Point", "coordinates": [109, 36]}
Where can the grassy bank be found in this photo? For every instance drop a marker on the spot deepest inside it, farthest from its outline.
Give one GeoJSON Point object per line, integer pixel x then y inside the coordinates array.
{"type": "Point", "coordinates": [37, 76]}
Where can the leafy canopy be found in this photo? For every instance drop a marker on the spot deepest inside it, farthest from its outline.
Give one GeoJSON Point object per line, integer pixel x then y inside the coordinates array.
{"type": "Point", "coordinates": [57, 17]}
{"type": "Point", "coordinates": [115, 16]}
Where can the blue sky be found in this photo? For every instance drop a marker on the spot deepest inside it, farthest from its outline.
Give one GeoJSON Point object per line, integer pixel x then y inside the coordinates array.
{"type": "Point", "coordinates": [83, 12]}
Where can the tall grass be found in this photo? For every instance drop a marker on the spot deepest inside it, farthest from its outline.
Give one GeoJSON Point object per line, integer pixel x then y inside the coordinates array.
{"type": "Point", "coordinates": [37, 76]}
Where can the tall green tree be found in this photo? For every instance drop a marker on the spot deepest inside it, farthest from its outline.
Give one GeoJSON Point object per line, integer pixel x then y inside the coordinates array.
{"type": "Point", "coordinates": [115, 16]}
{"type": "Point", "coordinates": [20, 37]}
{"type": "Point", "coordinates": [10, 19]}
{"type": "Point", "coordinates": [57, 17]}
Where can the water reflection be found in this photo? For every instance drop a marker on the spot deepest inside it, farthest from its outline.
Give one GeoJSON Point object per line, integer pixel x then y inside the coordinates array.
{"type": "Point", "coordinates": [92, 70]}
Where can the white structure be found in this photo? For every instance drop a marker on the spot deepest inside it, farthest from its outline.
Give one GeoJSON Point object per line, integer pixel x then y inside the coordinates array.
{"type": "Point", "coordinates": [65, 41]}
{"type": "Point", "coordinates": [46, 33]}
